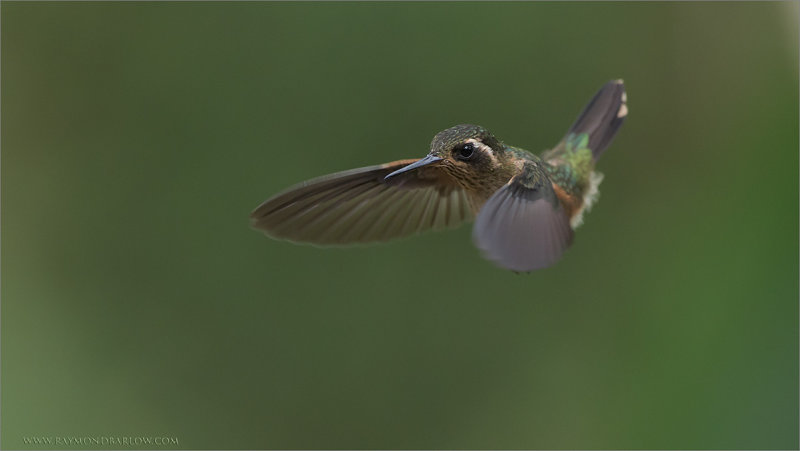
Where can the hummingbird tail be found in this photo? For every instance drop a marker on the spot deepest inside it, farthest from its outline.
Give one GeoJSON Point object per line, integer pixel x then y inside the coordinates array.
{"type": "Point", "coordinates": [602, 117]}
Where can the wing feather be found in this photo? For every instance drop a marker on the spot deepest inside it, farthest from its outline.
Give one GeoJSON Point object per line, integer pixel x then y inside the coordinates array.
{"type": "Point", "coordinates": [522, 227]}
{"type": "Point", "coordinates": [360, 206]}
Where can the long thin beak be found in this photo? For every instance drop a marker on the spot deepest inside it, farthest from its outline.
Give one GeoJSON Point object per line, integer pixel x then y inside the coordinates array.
{"type": "Point", "coordinates": [417, 164]}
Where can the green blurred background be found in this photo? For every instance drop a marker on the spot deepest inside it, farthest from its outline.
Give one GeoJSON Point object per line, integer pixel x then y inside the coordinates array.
{"type": "Point", "coordinates": [136, 301]}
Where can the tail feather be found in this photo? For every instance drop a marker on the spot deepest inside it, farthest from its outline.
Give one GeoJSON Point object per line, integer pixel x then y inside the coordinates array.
{"type": "Point", "coordinates": [602, 117]}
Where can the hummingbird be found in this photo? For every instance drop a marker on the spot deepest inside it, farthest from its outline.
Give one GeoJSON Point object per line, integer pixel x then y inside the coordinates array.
{"type": "Point", "coordinates": [525, 207]}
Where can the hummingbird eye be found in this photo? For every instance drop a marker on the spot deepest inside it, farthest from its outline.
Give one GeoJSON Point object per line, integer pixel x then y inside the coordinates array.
{"type": "Point", "coordinates": [465, 151]}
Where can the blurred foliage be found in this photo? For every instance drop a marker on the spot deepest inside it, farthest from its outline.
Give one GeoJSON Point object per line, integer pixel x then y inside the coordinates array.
{"type": "Point", "coordinates": [137, 137]}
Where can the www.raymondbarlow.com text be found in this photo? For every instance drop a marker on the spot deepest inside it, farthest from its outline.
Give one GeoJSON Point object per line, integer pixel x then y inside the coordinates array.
{"type": "Point", "coordinates": [101, 441]}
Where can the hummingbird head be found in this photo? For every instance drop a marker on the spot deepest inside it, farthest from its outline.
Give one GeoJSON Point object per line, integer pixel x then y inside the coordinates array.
{"type": "Point", "coordinates": [467, 152]}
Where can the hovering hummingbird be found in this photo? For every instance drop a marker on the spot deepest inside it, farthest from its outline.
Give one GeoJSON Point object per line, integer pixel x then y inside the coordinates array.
{"type": "Point", "coordinates": [525, 207]}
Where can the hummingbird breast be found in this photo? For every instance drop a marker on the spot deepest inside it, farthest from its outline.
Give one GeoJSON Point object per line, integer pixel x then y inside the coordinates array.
{"type": "Point", "coordinates": [478, 182]}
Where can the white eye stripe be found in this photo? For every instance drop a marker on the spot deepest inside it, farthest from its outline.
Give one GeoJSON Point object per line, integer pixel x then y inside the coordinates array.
{"type": "Point", "coordinates": [481, 146]}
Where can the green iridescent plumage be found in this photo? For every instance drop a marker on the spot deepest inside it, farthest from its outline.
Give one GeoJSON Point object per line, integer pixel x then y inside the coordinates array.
{"type": "Point", "coordinates": [571, 163]}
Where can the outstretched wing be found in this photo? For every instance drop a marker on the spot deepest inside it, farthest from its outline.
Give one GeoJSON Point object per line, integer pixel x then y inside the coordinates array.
{"type": "Point", "coordinates": [522, 226]}
{"type": "Point", "coordinates": [360, 206]}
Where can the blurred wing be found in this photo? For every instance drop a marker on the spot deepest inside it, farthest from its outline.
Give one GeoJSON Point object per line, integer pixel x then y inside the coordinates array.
{"type": "Point", "coordinates": [359, 206]}
{"type": "Point", "coordinates": [523, 227]}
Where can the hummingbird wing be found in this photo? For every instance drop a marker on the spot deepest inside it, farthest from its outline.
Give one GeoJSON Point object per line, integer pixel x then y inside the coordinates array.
{"type": "Point", "coordinates": [522, 226]}
{"type": "Point", "coordinates": [360, 206]}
